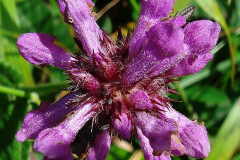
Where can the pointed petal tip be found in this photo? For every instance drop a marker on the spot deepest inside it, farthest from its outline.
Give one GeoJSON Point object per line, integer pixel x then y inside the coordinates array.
{"type": "Point", "coordinates": [20, 136]}
{"type": "Point", "coordinates": [47, 116]}
{"type": "Point", "coordinates": [38, 49]}
{"type": "Point", "coordinates": [31, 126]}
{"type": "Point", "coordinates": [193, 136]}
{"type": "Point", "coordinates": [201, 36]}
{"type": "Point", "coordinates": [62, 6]}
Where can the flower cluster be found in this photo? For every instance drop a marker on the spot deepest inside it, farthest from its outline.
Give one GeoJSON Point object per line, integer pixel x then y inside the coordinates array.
{"type": "Point", "coordinates": [119, 88]}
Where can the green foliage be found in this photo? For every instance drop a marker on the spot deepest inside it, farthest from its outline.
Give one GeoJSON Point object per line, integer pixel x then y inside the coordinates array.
{"type": "Point", "coordinates": [227, 140]}
{"type": "Point", "coordinates": [9, 31]}
{"type": "Point", "coordinates": [10, 7]}
{"type": "Point", "coordinates": [11, 116]}
{"type": "Point", "coordinates": [118, 153]}
{"type": "Point", "coordinates": [211, 95]}
{"type": "Point", "coordinates": [208, 95]}
{"type": "Point", "coordinates": [9, 75]}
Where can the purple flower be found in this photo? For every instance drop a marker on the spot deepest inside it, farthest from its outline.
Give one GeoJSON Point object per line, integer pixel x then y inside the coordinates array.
{"type": "Point", "coordinates": [120, 88]}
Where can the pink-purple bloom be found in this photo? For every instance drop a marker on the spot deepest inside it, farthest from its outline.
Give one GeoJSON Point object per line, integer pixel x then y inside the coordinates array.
{"type": "Point", "coordinates": [119, 88]}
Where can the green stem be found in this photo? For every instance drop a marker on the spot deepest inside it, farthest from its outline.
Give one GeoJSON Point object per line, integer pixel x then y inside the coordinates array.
{"type": "Point", "coordinates": [106, 8]}
{"type": "Point", "coordinates": [13, 91]}
{"type": "Point", "coordinates": [48, 87]}
{"type": "Point", "coordinates": [135, 6]}
{"type": "Point", "coordinates": [26, 91]}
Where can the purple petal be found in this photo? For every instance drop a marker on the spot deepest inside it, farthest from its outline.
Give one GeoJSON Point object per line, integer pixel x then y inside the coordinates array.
{"type": "Point", "coordinates": [67, 156]}
{"type": "Point", "coordinates": [100, 148]}
{"type": "Point", "coordinates": [177, 148]}
{"type": "Point", "coordinates": [147, 150]}
{"type": "Point", "coordinates": [140, 100]}
{"type": "Point", "coordinates": [179, 20]}
{"type": "Point", "coordinates": [165, 40]}
{"type": "Point", "coordinates": [152, 12]}
{"type": "Point", "coordinates": [138, 67]}
{"type": "Point", "coordinates": [190, 65]}
{"type": "Point", "coordinates": [83, 78]}
{"type": "Point", "coordinates": [201, 36]}
{"type": "Point", "coordinates": [157, 130]}
{"type": "Point", "coordinates": [38, 49]}
{"type": "Point", "coordinates": [165, 65]}
{"type": "Point", "coordinates": [47, 116]}
{"type": "Point", "coordinates": [123, 125]}
{"type": "Point", "coordinates": [62, 5]}
{"type": "Point", "coordinates": [90, 4]}
{"type": "Point", "coordinates": [87, 30]}
{"type": "Point", "coordinates": [193, 135]}
{"type": "Point", "coordinates": [55, 142]}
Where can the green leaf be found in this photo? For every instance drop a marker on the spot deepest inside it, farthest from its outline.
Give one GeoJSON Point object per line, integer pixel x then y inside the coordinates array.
{"type": "Point", "coordinates": [118, 153]}
{"type": "Point", "coordinates": [234, 19]}
{"type": "Point", "coordinates": [9, 32]}
{"type": "Point", "coordinates": [39, 16]}
{"type": "Point", "coordinates": [11, 116]}
{"type": "Point", "coordinates": [208, 94]}
{"type": "Point", "coordinates": [9, 75]}
{"type": "Point", "coordinates": [136, 6]}
{"type": "Point", "coordinates": [107, 24]}
{"type": "Point", "coordinates": [237, 157]}
{"type": "Point", "coordinates": [228, 139]}
{"type": "Point", "coordinates": [136, 9]}
{"type": "Point", "coordinates": [10, 7]}
{"type": "Point", "coordinates": [34, 15]}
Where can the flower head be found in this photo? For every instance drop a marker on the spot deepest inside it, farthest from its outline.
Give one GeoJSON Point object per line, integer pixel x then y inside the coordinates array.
{"type": "Point", "coordinates": [119, 88]}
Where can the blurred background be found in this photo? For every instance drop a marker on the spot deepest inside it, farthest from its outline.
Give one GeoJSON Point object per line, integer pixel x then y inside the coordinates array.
{"type": "Point", "coordinates": [212, 95]}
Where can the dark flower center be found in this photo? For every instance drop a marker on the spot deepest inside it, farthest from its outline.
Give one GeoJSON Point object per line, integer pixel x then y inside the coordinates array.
{"type": "Point", "coordinates": [100, 83]}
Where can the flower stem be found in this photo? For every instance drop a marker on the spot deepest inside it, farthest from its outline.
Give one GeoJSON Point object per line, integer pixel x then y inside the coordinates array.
{"type": "Point", "coordinates": [135, 5]}
{"type": "Point", "coordinates": [13, 91]}
{"type": "Point", "coordinates": [106, 8]}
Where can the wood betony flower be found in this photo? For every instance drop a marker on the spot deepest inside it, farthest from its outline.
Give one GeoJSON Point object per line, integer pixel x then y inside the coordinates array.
{"type": "Point", "coordinates": [119, 88]}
